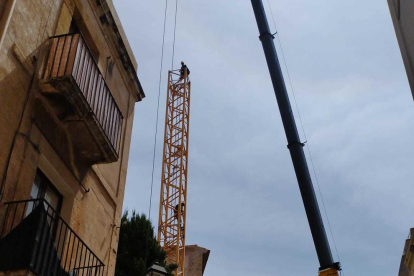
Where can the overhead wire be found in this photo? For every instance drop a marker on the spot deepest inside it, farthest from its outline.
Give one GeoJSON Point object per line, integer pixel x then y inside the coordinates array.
{"type": "Point", "coordinates": [156, 127]}
{"type": "Point", "coordinates": [175, 28]}
{"type": "Point", "coordinates": [303, 130]}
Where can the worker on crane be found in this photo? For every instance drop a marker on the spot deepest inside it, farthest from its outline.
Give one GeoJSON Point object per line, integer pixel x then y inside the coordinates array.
{"type": "Point", "coordinates": [183, 70]}
{"type": "Point", "coordinates": [176, 209]}
{"type": "Point", "coordinates": [182, 212]}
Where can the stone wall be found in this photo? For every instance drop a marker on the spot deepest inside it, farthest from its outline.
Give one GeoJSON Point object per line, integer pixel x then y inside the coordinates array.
{"type": "Point", "coordinates": [15, 79]}
{"type": "Point", "coordinates": [403, 269]}
{"type": "Point", "coordinates": [92, 204]}
{"type": "Point", "coordinates": [195, 260]}
{"type": "Point", "coordinates": [402, 13]}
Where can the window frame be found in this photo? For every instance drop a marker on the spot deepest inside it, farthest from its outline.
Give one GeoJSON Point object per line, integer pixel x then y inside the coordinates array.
{"type": "Point", "coordinates": [44, 185]}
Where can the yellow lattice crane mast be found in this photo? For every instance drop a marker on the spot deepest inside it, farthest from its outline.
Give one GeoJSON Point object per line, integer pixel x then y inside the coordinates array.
{"type": "Point", "coordinates": [173, 198]}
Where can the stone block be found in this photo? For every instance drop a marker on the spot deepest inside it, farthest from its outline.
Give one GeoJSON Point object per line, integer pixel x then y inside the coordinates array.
{"type": "Point", "coordinates": [65, 19]}
{"type": "Point", "coordinates": [195, 260]}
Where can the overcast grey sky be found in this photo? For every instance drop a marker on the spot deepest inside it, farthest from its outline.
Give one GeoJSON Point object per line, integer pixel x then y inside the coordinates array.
{"type": "Point", "coordinates": [243, 199]}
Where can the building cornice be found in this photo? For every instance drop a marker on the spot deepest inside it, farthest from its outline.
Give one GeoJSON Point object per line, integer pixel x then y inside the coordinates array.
{"type": "Point", "coordinates": [110, 18]}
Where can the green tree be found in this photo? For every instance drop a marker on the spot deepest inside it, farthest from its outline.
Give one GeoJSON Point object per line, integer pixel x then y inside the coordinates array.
{"type": "Point", "coordinates": [136, 239]}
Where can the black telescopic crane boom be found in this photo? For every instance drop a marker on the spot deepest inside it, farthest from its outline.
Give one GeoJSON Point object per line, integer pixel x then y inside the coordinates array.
{"type": "Point", "coordinates": [295, 146]}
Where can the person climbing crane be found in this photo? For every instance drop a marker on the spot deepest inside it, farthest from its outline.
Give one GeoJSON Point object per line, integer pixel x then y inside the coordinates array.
{"type": "Point", "coordinates": [184, 69]}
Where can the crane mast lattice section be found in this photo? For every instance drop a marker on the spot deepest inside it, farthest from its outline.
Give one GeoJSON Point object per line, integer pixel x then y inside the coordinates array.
{"type": "Point", "coordinates": [172, 214]}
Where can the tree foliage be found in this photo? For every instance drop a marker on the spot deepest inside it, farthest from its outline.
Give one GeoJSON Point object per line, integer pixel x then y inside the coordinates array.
{"type": "Point", "coordinates": [136, 233]}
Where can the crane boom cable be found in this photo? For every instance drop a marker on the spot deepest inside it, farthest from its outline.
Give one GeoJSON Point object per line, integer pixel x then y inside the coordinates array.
{"type": "Point", "coordinates": [175, 28]}
{"type": "Point", "coordinates": [303, 129]}
{"type": "Point", "coordinates": [173, 194]}
{"type": "Point", "coordinates": [156, 125]}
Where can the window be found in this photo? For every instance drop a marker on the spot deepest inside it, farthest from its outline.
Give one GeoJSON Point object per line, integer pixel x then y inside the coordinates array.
{"type": "Point", "coordinates": [43, 188]}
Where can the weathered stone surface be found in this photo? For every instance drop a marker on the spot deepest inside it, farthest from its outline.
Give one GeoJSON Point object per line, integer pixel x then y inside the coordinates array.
{"type": "Point", "coordinates": [65, 18]}
{"type": "Point", "coordinates": [33, 135]}
{"type": "Point", "coordinates": [404, 270]}
{"type": "Point", "coordinates": [195, 260]}
{"type": "Point", "coordinates": [402, 13]}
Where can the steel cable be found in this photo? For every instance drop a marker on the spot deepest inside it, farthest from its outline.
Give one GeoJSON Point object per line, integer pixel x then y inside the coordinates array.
{"type": "Point", "coordinates": [303, 130]}
{"type": "Point", "coordinates": [156, 129]}
{"type": "Point", "coordinates": [175, 28]}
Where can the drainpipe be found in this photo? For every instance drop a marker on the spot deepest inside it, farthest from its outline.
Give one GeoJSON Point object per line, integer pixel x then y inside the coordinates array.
{"type": "Point", "coordinates": [5, 20]}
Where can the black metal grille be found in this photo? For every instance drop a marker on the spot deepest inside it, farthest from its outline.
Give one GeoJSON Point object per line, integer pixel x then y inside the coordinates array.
{"type": "Point", "coordinates": [35, 237]}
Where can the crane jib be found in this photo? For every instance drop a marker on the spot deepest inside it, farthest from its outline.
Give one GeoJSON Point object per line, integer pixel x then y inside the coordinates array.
{"type": "Point", "coordinates": [294, 145]}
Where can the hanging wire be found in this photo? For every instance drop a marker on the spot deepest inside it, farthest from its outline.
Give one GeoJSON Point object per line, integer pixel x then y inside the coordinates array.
{"type": "Point", "coordinates": [156, 128]}
{"type": "Point", "coordinates": [175, 27]}
{"type": "Point", "coordinates": [304, 133]}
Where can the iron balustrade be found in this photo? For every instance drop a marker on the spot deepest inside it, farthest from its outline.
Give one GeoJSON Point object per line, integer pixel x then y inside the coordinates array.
{"type": "Point", "coordinates": [48, 246]}
{"type": "Point", "coordinates": [70, 56]}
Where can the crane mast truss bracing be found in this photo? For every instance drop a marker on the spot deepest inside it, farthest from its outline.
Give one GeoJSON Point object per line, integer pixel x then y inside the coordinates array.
{"type": "Point", "coordinates": [173, 198]}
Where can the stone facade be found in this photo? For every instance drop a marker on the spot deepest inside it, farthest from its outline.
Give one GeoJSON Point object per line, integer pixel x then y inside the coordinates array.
{"type": "Point", "coordinates": [407, 260]}
{"type": "Point", "coordinates": [195, 260]}
{"type": "Point", "coordinates": [34, 137]}
{"type": "Point", "coordinates": [402, 13]}
{"type": "Point", "coordinates": [404, 270]}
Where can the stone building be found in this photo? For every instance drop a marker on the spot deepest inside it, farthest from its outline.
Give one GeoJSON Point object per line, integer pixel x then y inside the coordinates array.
{"type": "Point", "coordinates": [402, 13]}
{"type": "Point", "coordinates": [196, 258]}
{"type": "Point", "coordinates": [68, 85]}
{"type": "Point", "coordinates": [407, 260]}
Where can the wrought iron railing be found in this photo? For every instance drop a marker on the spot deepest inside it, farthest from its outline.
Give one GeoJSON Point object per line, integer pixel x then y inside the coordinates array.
{"type": "Point", "coordinates": [35, 237]}
{"type": "Point", "coordinates": [70, 56]}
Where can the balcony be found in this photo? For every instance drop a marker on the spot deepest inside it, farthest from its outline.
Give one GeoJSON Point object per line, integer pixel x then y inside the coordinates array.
{"type": "Point", "coordinates": [36, 238]}
{"type": "Point", "coordinates": [81, 99]}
